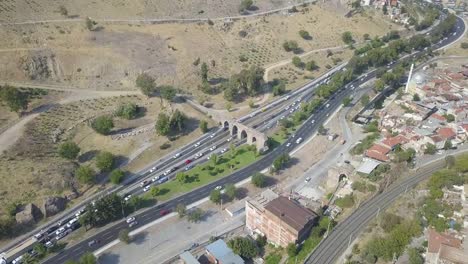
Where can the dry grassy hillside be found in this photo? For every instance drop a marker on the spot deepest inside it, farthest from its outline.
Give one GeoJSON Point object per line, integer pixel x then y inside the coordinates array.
{"type": "Point", "coordinates": [113, 56]}
{"type": "Point", "coordinates": [23, 10]}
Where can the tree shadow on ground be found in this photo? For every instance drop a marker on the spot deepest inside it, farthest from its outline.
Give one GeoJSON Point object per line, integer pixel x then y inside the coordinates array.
{"type": "Point", "coordinates": [87, 156]}
{"type": "Point", "coordinates": [270, 181]}
{"type": "Point", "coordinates": [109, 258]}
{"type": "Point", "coordinates": [241, 193]}
{"type": "Point", "coordinates": [207, 214]}
{"type": "Point", "coordinates": [120, 161]}
{"type": "Point", "coordinates": [140, 238]}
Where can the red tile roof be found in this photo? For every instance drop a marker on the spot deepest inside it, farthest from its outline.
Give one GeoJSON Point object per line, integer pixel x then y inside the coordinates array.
{"type": "Point", "coordinates": [438, 117]}
{"type": "Point", "coordinates": [436, 239]}
{"type": "Point", "coordinates": [446, 133]}
{"type": "Point", "coordinates": [436, 138]}
{"type": "Point", "coordinates": [456, 76]}
{"type": "Point", "coordinates": [393, 141]}
{"type": "Point", "coordinates": [465, 127]}
{"type": "Point", "coordinates": [377, 155]}
{"type": "Point", "coordinates": [439, 81]}
{"type": "Point", "coordinates": [380, 149]}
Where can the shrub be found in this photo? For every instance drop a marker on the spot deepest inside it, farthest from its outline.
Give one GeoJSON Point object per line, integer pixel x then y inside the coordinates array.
{"type": "Point", "coordinates": [127, 111]}
{"type": "Point", "coordinates": [105, 161]}
{"type": "Point", "coordinates": [85, 174]}
{"type": "Point", "coordinates": [304, 34]}
{"type": "Point", "coordinates": [464, 45]}
{"type": "Point", "coordinates": [296, 61]}
{"type": "Point", "coordinates": [69, 150]}
{"type": "Point", "coordinates": [345, 202]}
{"type": "Point", "coordinates": [259, 180]}
{"type": "Point", "coordinates": [117, 176]}
{"type": "Point", "coordinates": [124, 236]}
{"type": "Point", "coordinates": [165, 145]}
{"type": "Point", "coordinates": [103, 125]}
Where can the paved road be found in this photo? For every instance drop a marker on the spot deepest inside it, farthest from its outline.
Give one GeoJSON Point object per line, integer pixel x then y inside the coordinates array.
{"type": "Point", "coordinates": [337, 242]}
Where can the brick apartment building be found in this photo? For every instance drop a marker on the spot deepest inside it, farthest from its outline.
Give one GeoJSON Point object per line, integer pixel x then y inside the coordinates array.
{"type": "Point", "coordinates": [280, 219]}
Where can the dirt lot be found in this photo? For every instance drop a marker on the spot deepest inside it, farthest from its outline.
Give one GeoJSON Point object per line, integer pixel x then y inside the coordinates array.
{"type": "Point", "coordinates": [112, 57]}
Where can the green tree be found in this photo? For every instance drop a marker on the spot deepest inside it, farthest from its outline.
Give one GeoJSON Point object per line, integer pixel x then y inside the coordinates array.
{"type": "Point", "coordinates": [449, 117]}
{"type": "Point", "coordinates": [136, 202]}
{"type": "Point", "coordinates": [347, 38]}
{"type": "Point", "coordinates": [291, 249]}
{"type": "Point", "coordinates": [103, 124]}
{"type": "Point", "coordinates": [416, 97]}
{"type": "Point", "coordinates": [105, 161]}
{"type": "Point", "coordinates": [181, 209]}
{"type": "Point", "coordinates": [177, 121]}
{"type": "Point", "coordinates": [244, 247]}
{"type": "Point", "coordinates": [448, 144]}
{"type": "Point", "coordinates": [296, 61]}
{"type": "Point", "coordinates": [379, 85]}
{"type": "Point", "coordinates": [214, 159]}
{"type": "Point", "coordinates": [69, 150]}
{"type": "Point", "coordinates": [204, 72]}
{"type": "Point", "coordinates": [430, 149]}
{"type": "Point", "coordinates": [195, 216]}
{"type": "Point", "coordinates": [88, 258]}
{"type": "Point", "coordinates": [63, 11]}
{"type": "Point", "coordinates": [366, 36]}
{"type": "Point", "coordinates": [259, 180]}
{"type": "Point", "coordinates": [279, 88]}
{"type": "Point", "coordinates": [347, 100]}
{"type": "Point", "coordinates": [356, 4]}
{"type": "Point", "coordinates": [230, 191]}
{"type": "Point", "coordinates": [311, 65]}
{"type": "Point", "coordinates": [203, 126]}
{"type": "Point", "coordinates": [85, 174]}
{"type": "Point", "coordinates": [167, 92]}
{"type": "Point", "coordinates": [215, 196]}
{"type": "Point", "coordinates": [116, 176]}
{"type": "Point", "coordinates": [16, 100]}
{"type": "Point", "coordinates": [415, 257]}
{"type": "Point", "coordinates": [364, 100]}
{"type": "Point", "coordinates": [146, 84]}
{"type": "Point", "coordinates": [40, 249]}
{"type": "Point", "coordinates": [291, 46]}
{"type": "Point", "coordinates": [304, 34]}
{"type": "Point", "coordinates": [155, 191]}
{"type": "Point", "coordinates": [90, 24]}
{"type": "Point", "coordinates": [127, 111]}
{"type": "Point", "coordinates": [163, 124]}
{"type": "Point", "coordinates": [245, 5]}
{"type": "Point", "coordinates": [182, 177]}
{"type": "Point", "coordinates": [124, 236]}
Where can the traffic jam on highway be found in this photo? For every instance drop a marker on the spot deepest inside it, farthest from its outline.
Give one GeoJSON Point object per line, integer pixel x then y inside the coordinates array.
{"type": "Point", "coordinates": [218, 141]}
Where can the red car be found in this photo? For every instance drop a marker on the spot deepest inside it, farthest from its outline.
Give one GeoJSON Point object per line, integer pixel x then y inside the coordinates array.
{"type": "Point", "coordinates": [164, 212]}
{"type": "Point", "coordinates": [188, 162]}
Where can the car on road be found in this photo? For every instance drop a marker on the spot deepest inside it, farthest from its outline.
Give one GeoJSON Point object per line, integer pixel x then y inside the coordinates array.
{"type": "Point", "coordinates": [198, 155]}
{"type": "Point", "coordinates": [188, 167]}
{"type": "Point", "coordinates": [307, 179]}
{"type": "Point", "coordinates": [213, 135]}
{"type": "Point", "coordinates": [144, 183]}
{"type": "Point", "coordinates": [288, 145]}
{"type": "Point", "coordinates": [155, 178]}
{"type": "Point", "coordinates": [163, 179]}
{"type": "Point", "coordinates": [313, 121]}
{"type": "Point", "coordinates": [299, 140]}
{"type": "Point", "coordinates": [327, 105]}
{"type": "Point", "coordinates": [80, 212]}
{"type": "Point", "coordinates": [219, 187]}
{"type": "Point", "coordinates": [147, 187]}
{"type": "Point", "coordinates": [49, 244]}
{"type": "Point", "coordinates": [60, 230]}
{"type": "Point", "coordinates": [164, 212]}
{"type": "Point", "coordinates": [72, 223]}
{"type": "Point", "coordinates": [93, 243]}
{"type": "Point", "coordinates": [63, 234]}
{"type": "Point", "coordinates": [132, 224]}
{"type": "Point", "coordinates": [223, 150]}
{"type": "Point", "coordinates": [213, 148]}
{"type": "Point", "coordinates": [39, 235]}
{"type": "Point", "coordinates": [188, 161]}
{"type": "Point", "coordinates": [197, 144]}
{"type": "Point", "coordinates": [153, 169]}
{"type": "Point", "coordinates": [127, 198]}
{"type": "Point", "coordinates": [130, 219]}
{"type": "Point", "coordinates": [176, 156]}
{"type": "Point", "coordinates": [18, 260]}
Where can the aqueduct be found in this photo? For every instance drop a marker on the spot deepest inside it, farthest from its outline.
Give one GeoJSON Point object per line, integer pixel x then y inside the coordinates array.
{"type": "Point", "coordinates": [242, 131]}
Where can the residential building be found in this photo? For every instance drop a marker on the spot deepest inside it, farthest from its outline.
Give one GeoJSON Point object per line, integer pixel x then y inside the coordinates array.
{"type": "Point", "coordinates": [281, 220]}
{"type": "Point", "coordinates": [444, 248]}
{"type": "Point", "coordinates": [218, 252]}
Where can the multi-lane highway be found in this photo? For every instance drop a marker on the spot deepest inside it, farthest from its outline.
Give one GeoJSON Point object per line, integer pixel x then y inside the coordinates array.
{"type": "Point", "coordinates": [340, 238]}
{"type": "Point", "coordinates": [261, 119]}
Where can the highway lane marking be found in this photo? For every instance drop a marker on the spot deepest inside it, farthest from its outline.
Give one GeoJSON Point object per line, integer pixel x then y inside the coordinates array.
{"type": "Point", "coordinates": [76, 249]}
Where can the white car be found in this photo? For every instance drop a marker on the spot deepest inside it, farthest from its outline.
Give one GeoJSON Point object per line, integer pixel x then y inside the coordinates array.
{"type": "Point", "coordinates": [176, 156]}
{"type": "Point", "coordinates": [229, 139]}
{"type": "Point", "coordinates": [147, 187]}
{"type": "Point", "coordinates": [328, 105]}
{"type": "Point", "coordinates": [130, 219]}
{"type": "Point", "coordinates": [299, 140]}
{"type": "Point", "coordinates": [18, 260]}
{"type": "Point", "coordinates": [153, 169]}
{"type": "Point", "coordinates": [307, 179]}
{"type": "Point", "coordinates": [155, 178]}
{"type": "Point", "coordinates": [213, 135]}
{"type": "Point", "coordinates": [197, 144]}
{"type": "Point", "coordinates": [167, 172]}
{"type": "Point", "coordinates": [60, 230]}
{"type": "Point", "coordinates": [132, 224]}
{"type": "Point", "coordinates": [223, 150]}
{"type": "Point", "coordinates": [313, 121]}
{"type": "Point", "coordinates": [288, 145]}
{"type": "Point", "coordinates": [213, 148]}
{"type": "Point", "coordinates": [219, 187]}
{"type": "Point", "coordinates": [127, 198]}
{"type": "Point", "coordinates": [49, 244]}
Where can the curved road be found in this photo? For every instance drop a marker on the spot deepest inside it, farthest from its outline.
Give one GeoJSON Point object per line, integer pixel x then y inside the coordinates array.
{"type": "Point", "coordinates": [346, 231]}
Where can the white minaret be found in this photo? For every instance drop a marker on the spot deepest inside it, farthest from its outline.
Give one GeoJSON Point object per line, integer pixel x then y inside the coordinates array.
{"type": "Point", "coordinates": [409, 78]}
